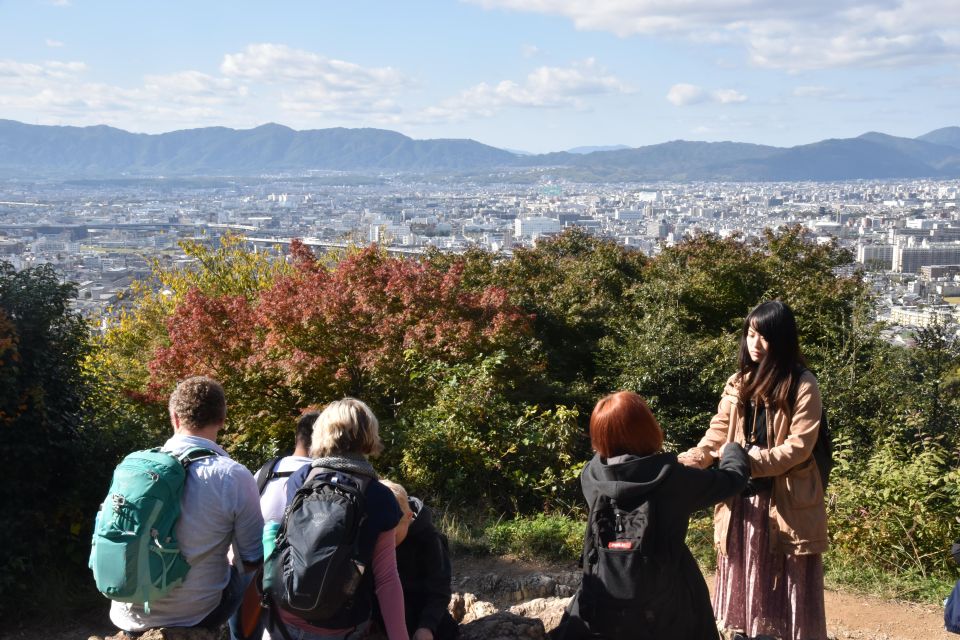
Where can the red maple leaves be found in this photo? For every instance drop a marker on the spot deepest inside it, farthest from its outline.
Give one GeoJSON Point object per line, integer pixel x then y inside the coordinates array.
{"type": "Point", "coordinates": [356, 327]}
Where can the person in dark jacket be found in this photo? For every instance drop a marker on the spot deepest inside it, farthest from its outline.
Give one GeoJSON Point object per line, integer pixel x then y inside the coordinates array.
{"type": "Point", "coordinates": [640, 580]}
{"type": "Point", "coordinates": [423, 561]}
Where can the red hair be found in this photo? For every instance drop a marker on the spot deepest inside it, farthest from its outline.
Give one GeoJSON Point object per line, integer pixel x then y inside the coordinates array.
{"type": "Point", "coordinates": [622, 423]}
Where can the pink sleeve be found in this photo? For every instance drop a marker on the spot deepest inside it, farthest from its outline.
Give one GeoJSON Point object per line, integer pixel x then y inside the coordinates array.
{"type": "Point", "coordinates": [388, 588]}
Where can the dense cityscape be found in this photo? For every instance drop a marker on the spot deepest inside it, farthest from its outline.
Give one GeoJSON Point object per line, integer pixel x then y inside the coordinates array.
{"type": "Point", "coordinates": [105, 235]}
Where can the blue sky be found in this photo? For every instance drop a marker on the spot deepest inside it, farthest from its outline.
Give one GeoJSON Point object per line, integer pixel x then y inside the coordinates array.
{"type": "Point", "coordinates": [534, 75]}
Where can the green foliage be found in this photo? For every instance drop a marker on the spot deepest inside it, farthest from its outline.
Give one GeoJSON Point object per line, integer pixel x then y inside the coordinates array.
{"type": "Point", "coordinates": [483, 369]}
{"type": "Point", "coordinates": [49, 452]}
{"type": "Point", "coordinates": [473, 445]}
{"type": "Point", "coordinates": [700, 540]}
{"type": "Point", "coordinates": [899, 512]}
{"type": "Point", "coordinates": [542, 537]}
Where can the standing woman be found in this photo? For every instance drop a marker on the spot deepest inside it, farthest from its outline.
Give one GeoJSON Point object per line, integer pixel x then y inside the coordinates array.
{"type": "Point", "coordinates": [770, 539]}
{"type": "Point", "coordinates": [640, 581]}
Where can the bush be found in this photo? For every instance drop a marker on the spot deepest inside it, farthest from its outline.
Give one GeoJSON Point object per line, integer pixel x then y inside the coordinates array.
{"type": "Point", "coordinates": [54, 460]}
{"type": "Point", "coordinates": [899, 512]}
{"type": "Point", "coordinates": [542, 537]}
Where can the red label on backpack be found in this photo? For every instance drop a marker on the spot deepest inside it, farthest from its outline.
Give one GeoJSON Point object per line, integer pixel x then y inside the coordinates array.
{"type": "Point", "coordinates": [620, 544]}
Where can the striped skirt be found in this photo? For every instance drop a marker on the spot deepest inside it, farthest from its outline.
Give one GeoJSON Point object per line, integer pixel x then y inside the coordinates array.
{"type": "Point", "coordinates": [764, 594]}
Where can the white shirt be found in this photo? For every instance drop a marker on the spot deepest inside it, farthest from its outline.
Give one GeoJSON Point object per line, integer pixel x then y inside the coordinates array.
{"type": "Point", "coordinates": [220, 505]}
{"type": "Point", "coordinates": [274, 498]}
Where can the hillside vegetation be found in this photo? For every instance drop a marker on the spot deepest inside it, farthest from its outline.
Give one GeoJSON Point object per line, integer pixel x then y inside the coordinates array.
{"type": "Point", "coordinates": [483, 371]}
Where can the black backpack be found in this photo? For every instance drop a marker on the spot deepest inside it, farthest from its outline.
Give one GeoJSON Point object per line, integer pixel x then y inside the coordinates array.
{"type": "Point", "coordinates": [823, 448]}
{"type": "Point", "coordinates": [621, 569]}
{"type": "Point", "coordinates": [317, 566]}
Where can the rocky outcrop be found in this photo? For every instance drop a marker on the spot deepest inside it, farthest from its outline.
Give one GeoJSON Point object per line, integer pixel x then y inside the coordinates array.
{"type": "Point", "coordinates": [547, 610]}
{"type": "Point", "coordinates": [503, 625]}
{"type": "Point", "coordinates": [171, 633]}
{"type": "Point", "coordinates": [466, 607]}
{"type": "Point", "coordinates": [510, 590]}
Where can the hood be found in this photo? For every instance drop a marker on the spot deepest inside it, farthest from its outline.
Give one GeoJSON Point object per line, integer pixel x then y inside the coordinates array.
{"type": "Point", "coordinates": [422, 516]}
{"type": "Point", "coordinates": [628, 478]}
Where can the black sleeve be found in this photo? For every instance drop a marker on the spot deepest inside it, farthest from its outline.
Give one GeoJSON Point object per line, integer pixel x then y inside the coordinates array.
{"type": "Point", "coordinates": [436, 582]}
{"type": "Point", "coordinates": [707, 487]}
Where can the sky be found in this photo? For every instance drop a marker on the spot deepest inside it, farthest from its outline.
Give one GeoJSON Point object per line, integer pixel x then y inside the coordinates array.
{"type": "Point", "coordinates": [526, 75]}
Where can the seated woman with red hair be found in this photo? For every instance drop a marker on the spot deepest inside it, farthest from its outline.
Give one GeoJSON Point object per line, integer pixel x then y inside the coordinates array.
{"type": "Point", "coordinates": [640, 580]}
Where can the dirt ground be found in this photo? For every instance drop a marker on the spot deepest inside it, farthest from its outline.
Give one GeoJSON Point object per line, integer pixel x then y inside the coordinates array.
{"type": "Point", "coordinates": [849, 616]}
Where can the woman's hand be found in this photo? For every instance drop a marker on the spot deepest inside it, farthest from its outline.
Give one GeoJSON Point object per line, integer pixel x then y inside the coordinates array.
{"type": "Point", "coordinates": [691, 458]}
{"type": "Point", "coordinates": [422, 634]}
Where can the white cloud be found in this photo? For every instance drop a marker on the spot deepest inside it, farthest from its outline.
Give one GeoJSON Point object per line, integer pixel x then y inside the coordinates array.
{"type": "Point", "coordinates": [545, 87]}
{"type": "Point", "coordinates": [17, 75]}
{"type": "Point", "coordinates": [61, 3]}
{"type": "Point", "coordinates": [813, 91]}
{"type": "Point", "coordinates": [310, 85]}
{"type": "Point", "coordinates": [683, 94]}
{"type": "Point", "coordinates": [53, 44]}
{"type": "Point", "coordinates": [795, 36]}
{"type": "Point", "coordinates": [529, 50]}
{"type": "Point", "coordinates": [262, 82]}
{"type": "Point", "coordinates": [728, 96]}
{"type": "Point", "coordinates": [277, 63]}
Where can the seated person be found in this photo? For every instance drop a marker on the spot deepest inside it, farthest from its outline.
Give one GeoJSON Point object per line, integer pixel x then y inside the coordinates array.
{"type": "Point", "coordinates": [423, 561]}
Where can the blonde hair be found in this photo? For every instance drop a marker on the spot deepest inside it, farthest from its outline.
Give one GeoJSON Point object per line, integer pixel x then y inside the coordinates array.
{"type": "Point", "coordinates": [398, 492]}
{"type": "Point", "coordinates": [346, 426]}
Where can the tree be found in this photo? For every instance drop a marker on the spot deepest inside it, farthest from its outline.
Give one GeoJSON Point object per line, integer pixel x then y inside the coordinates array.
{"type": "Point", "coordinates": [49, 452]}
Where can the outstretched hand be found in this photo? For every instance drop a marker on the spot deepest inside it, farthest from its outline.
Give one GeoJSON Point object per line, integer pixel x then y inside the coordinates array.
{"type": "Point", "coordinates": [691, 457]}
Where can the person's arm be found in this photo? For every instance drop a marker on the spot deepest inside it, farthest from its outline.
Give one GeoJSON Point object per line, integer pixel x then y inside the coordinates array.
{"type": "Point", "coordinates": [707, 487]}
{"type": "Point", "coordinates": [801, 437]}
{"type": "Point", "coordinates": [708, 449]}
{"type": "Point", "coordinates": [436, 582]}
{"type": "Point", "coordinates": [387, 586]}
{"type": "Point", "coordinates": [248, 521]}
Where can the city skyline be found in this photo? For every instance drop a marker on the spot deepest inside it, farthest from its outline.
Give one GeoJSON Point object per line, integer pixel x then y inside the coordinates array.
{"type": "Point", "coordinates": [528, 75]}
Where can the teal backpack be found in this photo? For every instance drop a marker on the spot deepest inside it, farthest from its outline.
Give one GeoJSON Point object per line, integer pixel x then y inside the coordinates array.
{"type": "Point", "coordinates": [135, 556]}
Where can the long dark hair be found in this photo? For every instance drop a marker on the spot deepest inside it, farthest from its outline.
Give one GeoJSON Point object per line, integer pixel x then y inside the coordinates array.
{"type": "Point", "coordinates": [771, 379]}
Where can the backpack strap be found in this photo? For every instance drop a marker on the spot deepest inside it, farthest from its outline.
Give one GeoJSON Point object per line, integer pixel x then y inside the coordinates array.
{"type": "Point", "coordinates": [273, 616]}
{"type": "Point", "coordinates": [266, 473]}
{"type": "Point", "coordinates": [363, 481]}
{"type": "Point", "coordinates": [193, 454]}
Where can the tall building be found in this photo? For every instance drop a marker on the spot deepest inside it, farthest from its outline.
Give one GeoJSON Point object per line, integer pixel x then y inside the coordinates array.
{"type": "Point", "coordinates": [909, 259]}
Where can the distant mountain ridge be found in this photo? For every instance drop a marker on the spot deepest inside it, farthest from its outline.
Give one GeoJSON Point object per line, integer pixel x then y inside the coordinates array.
{"type": "Point", "coordinates": [102, 151]}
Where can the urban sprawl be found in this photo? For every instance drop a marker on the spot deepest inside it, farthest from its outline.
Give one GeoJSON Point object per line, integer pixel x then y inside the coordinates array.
{"type": "Point", "coordinates": [104, 235]}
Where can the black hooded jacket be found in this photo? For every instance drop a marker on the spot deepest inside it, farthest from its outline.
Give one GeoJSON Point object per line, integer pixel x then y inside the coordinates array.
{"type": "Point", "coordinates": [423, 562]}
{"type": "Point", "coordinates": [672, 602]}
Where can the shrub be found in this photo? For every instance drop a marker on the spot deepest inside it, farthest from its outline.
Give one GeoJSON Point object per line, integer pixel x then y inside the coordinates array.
{"type": "Point", "coordinates": [542, 537]}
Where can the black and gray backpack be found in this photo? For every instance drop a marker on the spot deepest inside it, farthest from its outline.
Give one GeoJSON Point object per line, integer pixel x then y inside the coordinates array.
{"type": "Point", "coordinates": [317, 566]}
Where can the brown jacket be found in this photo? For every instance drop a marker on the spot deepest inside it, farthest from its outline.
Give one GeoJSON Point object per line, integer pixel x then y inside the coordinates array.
{"type": "Point", "coordinates": [798, 516]}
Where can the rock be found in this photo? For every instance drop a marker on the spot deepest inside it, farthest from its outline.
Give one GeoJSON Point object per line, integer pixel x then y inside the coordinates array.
{"type": "Point", "coordinates": [466, 607]}
{"type": "Point", "coordinates": [503, 625]}
{"type": "Point", "coordinates": [169, 633]}
{"type": "Point", "coordinates": [548, 610]}
{"type": "Point", "coordinates": [506, 590]}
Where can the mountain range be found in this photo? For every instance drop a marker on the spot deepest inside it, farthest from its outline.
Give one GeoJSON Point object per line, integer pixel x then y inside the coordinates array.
{"type": "Point", "coordinates": [100, 151]}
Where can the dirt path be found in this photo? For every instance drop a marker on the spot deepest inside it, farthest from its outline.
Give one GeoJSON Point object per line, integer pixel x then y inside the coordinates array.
{"type": "Point", "coordinates": [849, 616]}
{"type": "Point", "coordinates": [855, 616]}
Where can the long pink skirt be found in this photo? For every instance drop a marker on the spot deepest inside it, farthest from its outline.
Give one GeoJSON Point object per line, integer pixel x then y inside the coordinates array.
{"type": "Point", "coordinates": [766, 594]}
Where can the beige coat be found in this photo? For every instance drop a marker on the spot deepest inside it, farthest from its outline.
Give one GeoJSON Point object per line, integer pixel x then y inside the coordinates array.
{"type": "Point", "coordinates": [798, 516]}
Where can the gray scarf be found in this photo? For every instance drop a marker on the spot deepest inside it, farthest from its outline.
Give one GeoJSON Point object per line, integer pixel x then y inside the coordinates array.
{"type": "Point", "coordinates": [349, 462]}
